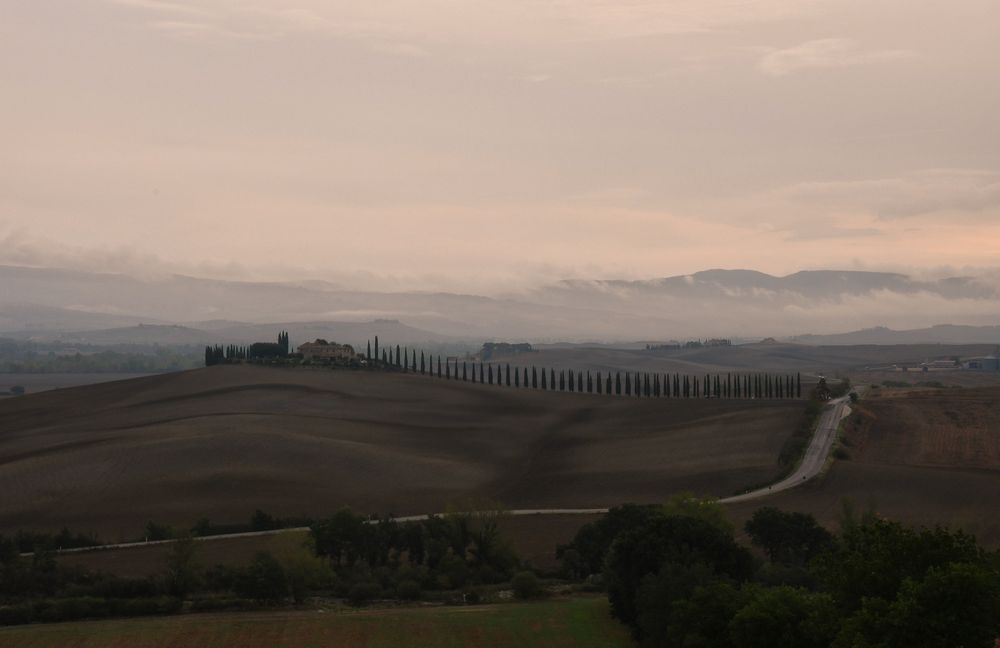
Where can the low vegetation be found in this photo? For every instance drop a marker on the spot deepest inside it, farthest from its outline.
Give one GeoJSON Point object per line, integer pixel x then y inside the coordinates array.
{"type": "Point", "coordinates": [681, 579]}
{"type": "Point", "coordinates": [674, 575]}
{"type": "Point", "coordinates": [30, 357]}
{"type": "Point", "coordinates": [458, 558]}
{"type": "Point", "coordinates": [554, 623]}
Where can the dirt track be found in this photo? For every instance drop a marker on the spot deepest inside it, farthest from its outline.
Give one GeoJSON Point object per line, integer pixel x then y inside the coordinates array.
{"type": "Point", "coordinates": [223, 441]}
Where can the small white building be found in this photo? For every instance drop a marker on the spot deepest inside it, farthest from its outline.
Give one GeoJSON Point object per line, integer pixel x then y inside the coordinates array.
{"type": "Point", "coordinates": [938, 365]}
{"type": "Point", "coordinates": [323, 350]}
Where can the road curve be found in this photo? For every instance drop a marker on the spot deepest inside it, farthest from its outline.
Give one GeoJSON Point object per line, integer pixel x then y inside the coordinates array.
{"type": "Point", "coordinates": [815, 455]}
{"type": "Point", "coordinates": [812, 463]}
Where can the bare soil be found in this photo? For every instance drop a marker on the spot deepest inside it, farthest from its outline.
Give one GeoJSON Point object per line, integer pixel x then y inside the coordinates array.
{"type": "Point", "coordinates": [223, 441]}
{"type": "Point", "coordinates": [923, 457]}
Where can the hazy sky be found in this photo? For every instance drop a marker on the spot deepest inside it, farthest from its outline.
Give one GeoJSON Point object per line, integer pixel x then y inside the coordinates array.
{"type": "Point", "coordinates": [461, 143]}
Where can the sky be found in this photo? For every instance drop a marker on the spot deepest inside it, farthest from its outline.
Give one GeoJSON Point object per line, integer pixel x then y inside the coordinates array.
{"type": "Point", "coordinates": [474, 145]}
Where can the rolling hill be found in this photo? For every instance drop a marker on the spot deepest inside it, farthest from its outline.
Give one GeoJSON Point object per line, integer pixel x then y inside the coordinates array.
{"type": "Point", "coordinates": [924, 457]}
{"type": "Point", "coordinates": [761, 356]}
{"type": "Point", "coordinates": [223, 441]}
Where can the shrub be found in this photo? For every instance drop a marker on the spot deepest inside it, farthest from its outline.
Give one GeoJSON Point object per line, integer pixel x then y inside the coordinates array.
{"type": "Point", "coordinates": [220, 604]}
{"type": "Point", "coordinates": [526, 585]}
{"type": "Point", "coordinates": [263, 580]}
{"type": "Point", "coordinates": [16, 614]}
{"type": "Point", "coordinates": [408, 590]}
{"type": "Point", "coordinates": [362, 593]}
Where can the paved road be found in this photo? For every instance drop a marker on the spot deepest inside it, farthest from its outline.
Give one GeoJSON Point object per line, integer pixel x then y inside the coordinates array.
{"type": "Point", "coordinates": [812, 463]}
{"type": "Point", "coordinates": [815, 455]}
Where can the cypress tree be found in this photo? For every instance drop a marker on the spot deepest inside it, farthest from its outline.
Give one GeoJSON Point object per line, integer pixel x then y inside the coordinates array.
{"type": "Point", "coordinates": [490, 369]}
{"type": "Point", "coordinates": [447, 369]}
{"type": "Point", "coordinates": [798, 385]}
{"type": "Point", "coordinates": [439, 366]}
{"type": "Point", "coordinates": [618, 383]}
{"type": "Point", "coordinates": [562, 380]}
{"type": "Point", "coordinates": [607, 384]}
{"type": "Point", "coordinates": [552, 378]}
{"type": "Point", "coordinates": [376, 347]}
{"type": "Point", "coordinates": [517, 376]}
{"type": "Point", "coordinates": [525, 381]}
{"type": "Point", "coordinates": [572, 381]}
{"type": "Point", "coordinates": [590, 383]}
{"type": "Point", "coordinates": [397, 356]}
{"type": "Point", "coordinates": [421, 363]}
{"type": "Point", "coordinates": [368, 353]}
{"type": "Point", "coordinates": [465, 376]}
{"type": "Point", "coordinates": [534, 378]}
{"type": "Point", "coordinates": [415, 361]}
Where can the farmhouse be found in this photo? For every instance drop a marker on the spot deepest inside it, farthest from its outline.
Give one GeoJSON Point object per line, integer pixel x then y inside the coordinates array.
{"type": "Point", "coordinates": [323, 350]}
{"type": "Point", "coordinates": [937, 365]}
{"type": "Point", "coordinates": [988, 363]}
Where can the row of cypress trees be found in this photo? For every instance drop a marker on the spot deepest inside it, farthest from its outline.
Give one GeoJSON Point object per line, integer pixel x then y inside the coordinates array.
{"type": "Point", "coordinates": [637, 384]}
{"type": "Point", "coordinates": [218, 354]}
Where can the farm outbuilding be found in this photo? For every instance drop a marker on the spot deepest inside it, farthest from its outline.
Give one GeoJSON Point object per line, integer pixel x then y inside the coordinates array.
{"type": "Point", "coordinates": [986, 363]}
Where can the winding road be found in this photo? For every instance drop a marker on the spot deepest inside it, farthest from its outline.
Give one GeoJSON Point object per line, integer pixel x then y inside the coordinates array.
{"type": "Point", "coordinates": [811, 465]}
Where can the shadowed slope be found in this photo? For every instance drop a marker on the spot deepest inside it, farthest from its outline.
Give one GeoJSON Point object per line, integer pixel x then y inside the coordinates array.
{"type": "Point", "coordinates": [222, 441]}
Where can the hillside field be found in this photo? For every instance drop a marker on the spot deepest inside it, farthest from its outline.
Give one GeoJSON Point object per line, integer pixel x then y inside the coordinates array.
{"type": "Point", "coordinates": [919, 456]}
{"type": "Point", "coordinates": [223, 441]}
{"type": "Point", "coordinates": [579, 622]}
{"type": "Point", "coordinates": [748, 358]}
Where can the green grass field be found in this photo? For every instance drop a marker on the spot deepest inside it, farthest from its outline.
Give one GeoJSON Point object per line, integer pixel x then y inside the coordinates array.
{"type": "Point", "coordinates": [579, 622]}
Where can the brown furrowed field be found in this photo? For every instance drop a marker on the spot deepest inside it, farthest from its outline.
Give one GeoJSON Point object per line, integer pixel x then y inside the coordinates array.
{"type": "Point", "coordinates": [922, 457]}
{"type": "Point", "coordinates": [224, 441]}
{"type": "Point", "coordinates": [580, 622]}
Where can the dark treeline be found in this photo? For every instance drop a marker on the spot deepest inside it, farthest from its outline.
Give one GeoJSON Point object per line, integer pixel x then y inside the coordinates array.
{"type": "Point", "coordinates": [220, 354]}
{"type": "Point", "coordinates": [758, 386]}
{"type": "Point", "coordinates": [455, 558]}
{"type": "Point", "coordinates": [677, 577]}
{"type": "Point", "coordinates": [617, 383]}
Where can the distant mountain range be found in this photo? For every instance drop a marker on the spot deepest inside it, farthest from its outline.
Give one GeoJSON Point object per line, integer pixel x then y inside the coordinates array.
{"type": "Point", "coordinates": [715, 303]}
{"type": "Point", "coordinates": [355, 333]}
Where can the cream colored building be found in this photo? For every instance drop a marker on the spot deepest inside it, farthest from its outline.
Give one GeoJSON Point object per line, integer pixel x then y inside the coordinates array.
{"type": "Point", "coordinates": [323, 350]}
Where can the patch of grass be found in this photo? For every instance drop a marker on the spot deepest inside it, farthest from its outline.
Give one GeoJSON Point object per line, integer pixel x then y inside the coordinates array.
{"type": "Point", "coordinates": [583, 622]}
